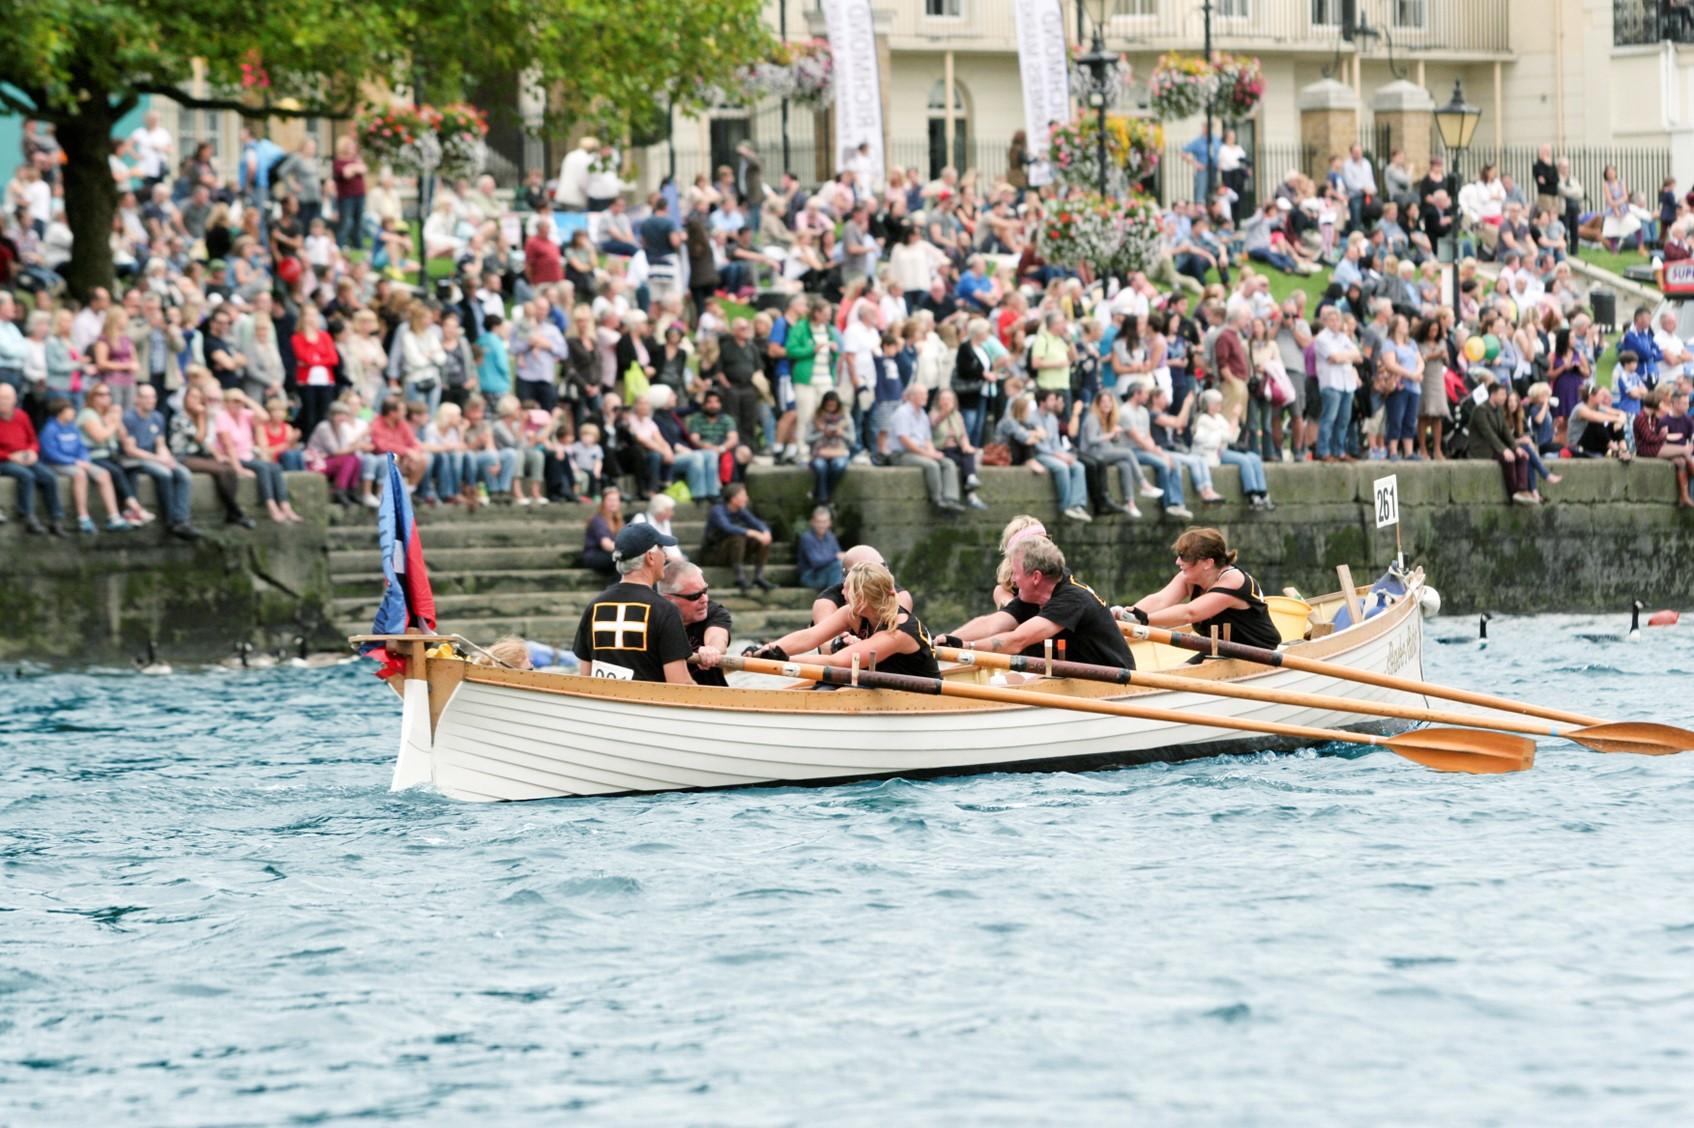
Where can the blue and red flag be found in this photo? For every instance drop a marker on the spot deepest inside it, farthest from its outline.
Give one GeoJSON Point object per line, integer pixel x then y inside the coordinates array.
{"type": "Point", "coordinates": [407, 601]}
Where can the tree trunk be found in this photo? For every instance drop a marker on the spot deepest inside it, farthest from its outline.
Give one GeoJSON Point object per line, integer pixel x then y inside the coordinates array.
{"type": "Point", "coordinates": [91, 196]}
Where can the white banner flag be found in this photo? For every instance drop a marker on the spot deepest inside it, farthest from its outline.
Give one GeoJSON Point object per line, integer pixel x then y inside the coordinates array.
{"type": "Point", "coordinates": [858, 88]}
{"type": "Point", "coordinates": [1043, 59]}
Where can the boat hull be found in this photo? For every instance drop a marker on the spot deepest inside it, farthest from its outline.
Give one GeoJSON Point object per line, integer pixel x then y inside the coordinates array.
{"type": "Point", "coordinates": [497, 735]}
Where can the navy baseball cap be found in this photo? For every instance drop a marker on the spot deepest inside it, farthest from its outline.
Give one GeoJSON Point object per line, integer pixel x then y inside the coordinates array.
{"type": "Point", "coordinates": [638, 539]}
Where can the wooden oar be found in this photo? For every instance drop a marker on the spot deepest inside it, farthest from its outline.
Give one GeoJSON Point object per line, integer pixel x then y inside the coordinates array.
{"type": "Point", "coordinates": [1445, 750]}
{"type": "Point", "coordinates": [1647, 739]}
{"type": "Point", "coordinates": [1202, 644]}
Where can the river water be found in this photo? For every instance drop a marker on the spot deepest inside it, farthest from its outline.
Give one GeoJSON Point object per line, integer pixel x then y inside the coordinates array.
{"type": "Point", "coordinates": [213, 912]}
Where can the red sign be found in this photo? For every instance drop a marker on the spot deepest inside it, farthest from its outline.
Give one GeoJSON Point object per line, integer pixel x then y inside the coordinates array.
{"type": "Point", "coordinates": [1679, 279]}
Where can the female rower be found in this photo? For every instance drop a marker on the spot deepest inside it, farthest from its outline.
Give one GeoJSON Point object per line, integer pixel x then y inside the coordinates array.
{"type": "Point", "coordinates": [877, 625]}
{"type": "Point", "coordinates": [1210, 591]}
{"type": "Point", "coordinates": [1020, 528]}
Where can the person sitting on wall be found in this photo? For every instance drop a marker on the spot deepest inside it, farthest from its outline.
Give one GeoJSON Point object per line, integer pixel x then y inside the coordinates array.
{"type": "Point", "coordinates": [734, 532]}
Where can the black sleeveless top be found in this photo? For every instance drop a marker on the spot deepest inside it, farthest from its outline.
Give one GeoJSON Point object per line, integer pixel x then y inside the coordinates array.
{"type": "Point", "coordinates": [920, 663]}
{"type": "Point", "coordinates": [1250, 625]}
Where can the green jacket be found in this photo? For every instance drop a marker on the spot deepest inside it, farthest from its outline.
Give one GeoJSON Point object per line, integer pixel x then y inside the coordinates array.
{"type": "Point", "coordinates": [1489, 433]}
{"type": "Point", "coordinates": [802, 347]}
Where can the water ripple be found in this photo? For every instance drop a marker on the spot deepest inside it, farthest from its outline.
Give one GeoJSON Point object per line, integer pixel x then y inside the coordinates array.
{"type": "Point", "coordinates": [212, 911]}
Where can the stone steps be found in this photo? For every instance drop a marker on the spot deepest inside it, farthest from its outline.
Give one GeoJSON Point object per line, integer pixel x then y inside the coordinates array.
{"type": "Point", "coordinates": [514, 531]}
{"type": "Point", "coordinates": [518, 604]}
{"type": "Point", "coordinates": [560, 580]}
{"type": "Point", "coordinates": [560, 630]}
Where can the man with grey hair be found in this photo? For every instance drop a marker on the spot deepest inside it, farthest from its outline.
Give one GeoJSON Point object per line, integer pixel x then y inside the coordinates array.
{"type": "Point", "coordinates": [707, 622]}
{"type": "Point", "coordinates": [630, 632]}
{"type": "Point", "coordinates": [914, 445]}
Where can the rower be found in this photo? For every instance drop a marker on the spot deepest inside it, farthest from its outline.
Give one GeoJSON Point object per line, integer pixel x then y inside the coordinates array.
{"type": "Point", "coordinates": [630, 632]}
{"type": "Point", "coordinates": [1209, 591]}
{"type": "Point", "coordinates": [707, 622]}
{"type": "Point", "coordinates": [877, 623]}
{"type": "Point", "coordinates": [1050, 604]}
{"type": "Point", "coordinates": [832, 599]}
{"type": "Point", "coordinates": [1019, 528]}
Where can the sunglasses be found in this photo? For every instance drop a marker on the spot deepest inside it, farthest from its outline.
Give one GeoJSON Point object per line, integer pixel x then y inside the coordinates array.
{"type": "Point", "coordinates": [691, 596]}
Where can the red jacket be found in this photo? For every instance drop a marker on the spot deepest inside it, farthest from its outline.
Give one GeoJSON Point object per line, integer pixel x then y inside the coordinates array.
{"type": "Point", "coordinates": [1232, 356]}
{"type": "Point", "coordinates": [542, 261]}
{"type": "Point", "coordinates": [17, 433]}
{"type": "Point", "coordinates": [308, 354]}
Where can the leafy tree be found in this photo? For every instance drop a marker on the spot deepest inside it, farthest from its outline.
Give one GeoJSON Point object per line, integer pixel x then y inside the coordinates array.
{"type": "Point", "coordinates": [83, 64]}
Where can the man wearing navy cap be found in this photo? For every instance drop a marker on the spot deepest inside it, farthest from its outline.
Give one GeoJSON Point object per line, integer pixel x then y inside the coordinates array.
{"type": "Point", "coordinates": [630, 632]}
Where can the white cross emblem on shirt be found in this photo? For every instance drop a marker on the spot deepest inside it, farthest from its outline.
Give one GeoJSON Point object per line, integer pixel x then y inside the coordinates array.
{"type": "Point", "coordinates": [621, 623]}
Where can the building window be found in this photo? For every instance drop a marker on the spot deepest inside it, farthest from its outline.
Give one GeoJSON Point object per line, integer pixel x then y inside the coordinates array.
{"type": "Point", "coordinates": [1326, 12]}
{"type": "Point", "coordinates": [1126, 9]}
{"type": "Point", "coordinates": [1233, 9]}
{"type": "Point", "coordinates": [939, 157]}
{"type": "Point", "coordinates": [952, 9]}
{"type": "Point", "coordinates": [1413, 14]}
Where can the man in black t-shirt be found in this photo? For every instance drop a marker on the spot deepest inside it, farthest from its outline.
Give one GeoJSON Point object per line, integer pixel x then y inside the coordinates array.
{"type": "Point", "coordinates": [630, 632]}
{"type": "Point", "coordinates": [1050, 604]}
{"type": "Point", "coordinates": [707, 622]}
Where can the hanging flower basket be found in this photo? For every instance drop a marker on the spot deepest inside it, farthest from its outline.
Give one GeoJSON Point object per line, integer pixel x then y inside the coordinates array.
{"type": "Point", "coordinates": [415, 140]}
{"type": "Point", "coordinates": [801, 71]}
{"type": "Point", "coordinates": [1133, 149]}
{"type": "Point", "coordinates": [1180, 86]}
{"type": "Point", "coordinates": [1113, 236]}
{"type": "Point", "coordinates": [1241, 86]}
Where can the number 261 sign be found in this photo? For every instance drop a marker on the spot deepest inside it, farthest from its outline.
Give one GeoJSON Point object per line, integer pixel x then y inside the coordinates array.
{"type": "Point", "coordinates": [1387, 492]}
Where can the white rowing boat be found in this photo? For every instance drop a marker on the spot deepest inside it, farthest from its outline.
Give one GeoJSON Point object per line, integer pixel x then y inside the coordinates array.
{"type": "Point", "coordinates": [484, 733]}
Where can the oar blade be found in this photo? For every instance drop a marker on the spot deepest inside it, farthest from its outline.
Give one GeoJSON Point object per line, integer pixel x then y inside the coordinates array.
{"type": "Point", "coordinates": [1465, 750]}
{"type": "Point", "coordinates": [1641, 738]}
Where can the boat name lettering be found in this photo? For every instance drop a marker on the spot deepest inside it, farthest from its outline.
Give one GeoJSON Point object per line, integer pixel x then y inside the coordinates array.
{"type": "Point", "coordinates": [1400, 654]}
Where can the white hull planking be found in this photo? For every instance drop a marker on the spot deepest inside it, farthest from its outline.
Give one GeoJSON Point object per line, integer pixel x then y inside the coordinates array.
{"type": "Point", "coordinates": [502, 742]}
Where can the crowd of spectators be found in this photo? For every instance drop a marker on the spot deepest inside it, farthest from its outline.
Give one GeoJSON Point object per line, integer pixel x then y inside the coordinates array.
{"type": "Point", "coordinates": [572, 346]}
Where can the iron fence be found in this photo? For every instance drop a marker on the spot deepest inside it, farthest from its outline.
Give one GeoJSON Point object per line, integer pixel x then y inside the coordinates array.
{"type": "Point", "coordinates": [1637, 23]}
{"type": "Point", "coordinates": [1642, 169]}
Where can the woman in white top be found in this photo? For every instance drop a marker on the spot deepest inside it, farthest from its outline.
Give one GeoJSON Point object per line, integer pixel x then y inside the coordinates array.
{"type": "Point", "coordinates": [1232, 169]}
{"type": "Point", "coordinates": [660, 509]}
{"type": "Point", "coordinates": [1213, 432]}
{"type": "Point", "coordinates": [421, 356]}
{"type": "Point", "coordinates": [255, 337]}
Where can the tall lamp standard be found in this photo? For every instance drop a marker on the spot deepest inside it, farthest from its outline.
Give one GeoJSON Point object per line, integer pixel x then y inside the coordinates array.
{"type": "Point", "coordinates": [1456, 124]}
{"type": "Point", "coordinates": [1101, 66]}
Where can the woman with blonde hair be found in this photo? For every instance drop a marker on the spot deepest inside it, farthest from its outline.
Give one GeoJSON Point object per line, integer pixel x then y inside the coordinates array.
{"type": "Point", "coordinates": [421, 356]}
{"type": "Point", "coordinates": [1103, 439]}
{"type": "Point", "coordinates": [878, 624]}
{"type": "Point", "coordinates": [453, 464]}
{"type": "Point", "coordinates": [114, 358]}
{"type": "Point", "coordinates": [235, 433]}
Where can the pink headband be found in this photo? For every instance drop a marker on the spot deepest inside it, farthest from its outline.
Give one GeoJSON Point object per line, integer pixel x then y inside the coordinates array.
{"type": "Point", "coordinates": [1035, 530]}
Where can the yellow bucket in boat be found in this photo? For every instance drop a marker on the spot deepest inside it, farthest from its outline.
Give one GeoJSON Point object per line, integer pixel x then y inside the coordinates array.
{"type": "Point", "coordinates": [1291, 616]}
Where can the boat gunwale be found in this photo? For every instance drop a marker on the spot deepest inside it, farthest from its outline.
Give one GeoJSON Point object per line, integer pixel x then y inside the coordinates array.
{"type": "Point", "coordinates": [849, 701]}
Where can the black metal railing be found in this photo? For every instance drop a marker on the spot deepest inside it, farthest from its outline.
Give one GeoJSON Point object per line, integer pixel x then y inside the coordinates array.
{"type": "Point", "coordinates": [1638, 23]}
{"type": "Point", "coordinates": [1642, 169]}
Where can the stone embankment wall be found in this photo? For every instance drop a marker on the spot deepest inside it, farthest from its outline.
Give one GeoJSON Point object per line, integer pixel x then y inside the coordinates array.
{"type": "Point", "coordinates": [1611, 534]}
{"type": "Point", "coordinates": [100, 599]}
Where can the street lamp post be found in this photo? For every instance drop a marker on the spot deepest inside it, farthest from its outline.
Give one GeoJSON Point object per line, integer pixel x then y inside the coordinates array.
{"type": "Point", "coordinates": [1456, 124]}
{"type": "Point", "coordinates": [1100, 64]}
